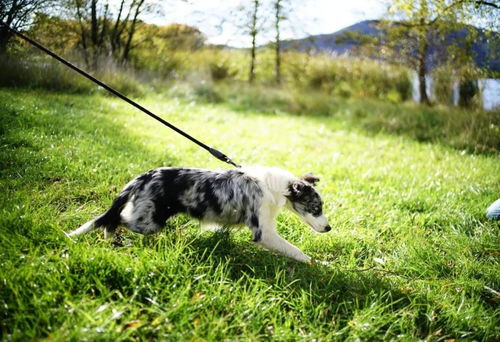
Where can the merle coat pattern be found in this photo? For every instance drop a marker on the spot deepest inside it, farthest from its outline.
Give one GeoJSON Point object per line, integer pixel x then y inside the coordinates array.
{"type": "Point", "coordinates": [248, 196]}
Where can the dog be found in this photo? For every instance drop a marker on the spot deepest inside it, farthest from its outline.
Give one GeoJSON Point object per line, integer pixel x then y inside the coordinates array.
{"type": "Point", "coordinates": [251, 196]}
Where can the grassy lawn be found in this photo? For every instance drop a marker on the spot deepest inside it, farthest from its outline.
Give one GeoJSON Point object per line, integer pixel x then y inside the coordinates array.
{"type": "Point", "coordinates": [412, 256]}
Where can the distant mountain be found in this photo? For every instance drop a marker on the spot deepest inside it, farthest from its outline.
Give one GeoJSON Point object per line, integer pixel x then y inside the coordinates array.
{"type": "Point", "coordinates": [487, 56]}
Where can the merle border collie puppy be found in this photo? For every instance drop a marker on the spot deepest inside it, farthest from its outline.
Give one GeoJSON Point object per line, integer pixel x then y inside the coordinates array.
{"type": "Point", "coordinates": [252, 196]}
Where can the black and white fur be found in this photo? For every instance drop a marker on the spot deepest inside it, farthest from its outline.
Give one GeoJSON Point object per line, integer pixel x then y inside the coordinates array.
{"type": "Point", "coordinates": [251, 196]}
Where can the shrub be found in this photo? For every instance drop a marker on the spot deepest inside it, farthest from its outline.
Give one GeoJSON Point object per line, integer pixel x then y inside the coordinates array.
{"type": "Point", "coordinates": [37, 72]}
{"type": "Point", "coordinates": [350, 77]}
{"type": "Point", "coordinates": [22, 70]}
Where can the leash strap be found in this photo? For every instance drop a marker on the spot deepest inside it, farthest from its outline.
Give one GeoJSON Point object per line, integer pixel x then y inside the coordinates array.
{"type": "Point", "coordinates": [216, 153]}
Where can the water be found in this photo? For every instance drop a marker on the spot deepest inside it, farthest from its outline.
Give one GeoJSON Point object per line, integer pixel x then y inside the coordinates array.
{"type": "Point", "coordinates": [490, 91]}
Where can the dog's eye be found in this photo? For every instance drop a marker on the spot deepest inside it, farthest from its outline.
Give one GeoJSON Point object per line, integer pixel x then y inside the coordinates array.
{"type": "Point", "coordinates": [316, 210]}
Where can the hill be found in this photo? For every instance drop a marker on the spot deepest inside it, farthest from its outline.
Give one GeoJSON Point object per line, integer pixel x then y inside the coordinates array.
{"type": "Point", "coordinates": [485, 49]}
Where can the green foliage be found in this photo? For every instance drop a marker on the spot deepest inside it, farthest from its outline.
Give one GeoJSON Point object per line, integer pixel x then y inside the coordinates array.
{"type": "Point", "coordinates": [468, 91]}
{"type": "Point", "coordinates": [412, 256]}
{"type": "Point", "coordinates": [466, 77]}
{"type": "Point", "coordinates": [339, 77]}
{"type": "Point", "coordinates": [177, 52]}
{"type": "Point", "coordinates": [220, 71]}
{"type": "Point", "coordinates": [443, 80]}
{"type": "Point", "coordinates": [174, 37]}
{"type": "Point", "coordinates": [475, 131]}
{"type": "Point", "coordinates": [352, 77]}
{"type": "Point", "coordinates": [22, 70]}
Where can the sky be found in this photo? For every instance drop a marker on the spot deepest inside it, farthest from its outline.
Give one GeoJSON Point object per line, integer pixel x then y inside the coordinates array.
{"type": "Point", "coordinates": [216, 18]}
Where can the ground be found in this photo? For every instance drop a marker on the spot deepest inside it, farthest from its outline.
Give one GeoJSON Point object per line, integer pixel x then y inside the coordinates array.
{"type": "Point", "coordinates": [411, 254]}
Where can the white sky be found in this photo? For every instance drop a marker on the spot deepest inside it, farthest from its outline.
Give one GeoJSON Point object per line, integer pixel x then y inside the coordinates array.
{"type": "Point", "coordinates": [308, 17]}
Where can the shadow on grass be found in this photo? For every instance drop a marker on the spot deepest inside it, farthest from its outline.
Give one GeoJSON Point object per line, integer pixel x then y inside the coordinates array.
{"type": "Point", "coordinates": [338, 292]}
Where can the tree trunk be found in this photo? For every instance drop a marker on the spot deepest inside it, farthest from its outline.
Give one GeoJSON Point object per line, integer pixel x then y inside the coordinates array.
{"type": "Point", "coordinates": [83, 36]}
{"type": "Point", "coordinates": [103, 34]}
{"type": "Point", "coordinates": [94, 33]}
{"type": "Point", "coordinates": [422, 68]}
{"type": "Point", "coordinates": [115, 33]}
{"type": "Point", "coordinates": [128, 45]}
{"type": "Point", "coordinates": [5, 36]}
{"type": "Point", "coordinates": [277, 8]}
{"type": "Point", "coordinates": [421, 82]}
{"type": "Point", "coordinates": [253, 32]}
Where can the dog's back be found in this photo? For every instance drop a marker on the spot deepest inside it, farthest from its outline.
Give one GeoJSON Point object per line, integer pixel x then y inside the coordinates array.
{"type": "Point", "coordinates": [225, 197]}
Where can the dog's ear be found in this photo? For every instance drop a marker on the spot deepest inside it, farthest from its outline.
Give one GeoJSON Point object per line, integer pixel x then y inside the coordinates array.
{"type": "Point", "coordinates": [310, 178]}
{"type": "Point", "coordinates": [296, 188]}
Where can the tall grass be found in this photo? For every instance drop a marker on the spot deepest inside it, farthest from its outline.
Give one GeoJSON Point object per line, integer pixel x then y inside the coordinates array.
{"type": "Point", "coordinates": [366, 93]}
{"type": "Point", "coordinates": [470, 130]}
{"type": "Point", "coordinates": [36, 71]}
{"type": "Point", "coordinates": [339, 77]}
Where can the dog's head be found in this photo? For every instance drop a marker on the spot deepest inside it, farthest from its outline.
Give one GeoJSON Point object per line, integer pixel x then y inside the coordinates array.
{"type": "Point", "coordinates": [306, 202]}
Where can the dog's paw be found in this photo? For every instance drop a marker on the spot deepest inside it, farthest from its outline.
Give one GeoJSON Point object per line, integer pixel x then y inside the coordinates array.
{"type": "Point", "coordinates": [211, 227]}
{"type": "Point", "coordinates": [120, 241]}
{"type": "Point", "coordinates": [320, 262]}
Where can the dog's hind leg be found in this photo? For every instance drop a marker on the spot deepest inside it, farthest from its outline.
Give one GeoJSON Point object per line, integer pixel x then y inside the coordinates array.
{"type": "Point", "coordinates": [109, 232]}
{"type": "Point", "coordinates": [143, 217]}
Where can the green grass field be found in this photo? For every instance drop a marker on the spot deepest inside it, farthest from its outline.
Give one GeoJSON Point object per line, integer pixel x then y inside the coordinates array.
{"type": "Point", "coordinates": [411, 255]}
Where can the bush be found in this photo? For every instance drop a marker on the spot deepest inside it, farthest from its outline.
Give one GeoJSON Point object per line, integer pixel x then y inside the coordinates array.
{"type": "Point", "coordinates": [472, 130]}
{"type": "Point", "coordinates": [443, 81]}
{"type": "Point", "coordinates": [36, 72]}
{"type": "Point", "coordinates": [220, 71]}
{"type": "Point", "coordinates": [350, 77]}
{"type": "Point", "coordinates": [22, 70]}
{"type": "Point", "coordinates": [339, 77]}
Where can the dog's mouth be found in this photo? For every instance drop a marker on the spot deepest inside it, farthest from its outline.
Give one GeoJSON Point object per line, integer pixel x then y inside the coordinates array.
{"type": "Point", "coordinates": [324, 229]}
{"type": "Point", "coordinates": [318, 224]}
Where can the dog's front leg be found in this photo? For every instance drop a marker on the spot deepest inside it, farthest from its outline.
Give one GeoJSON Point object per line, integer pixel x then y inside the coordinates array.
{"type": "Point", "coordinates": [273, 241]}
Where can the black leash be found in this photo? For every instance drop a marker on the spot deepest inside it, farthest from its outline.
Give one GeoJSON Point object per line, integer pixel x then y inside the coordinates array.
{"type": "Point", "coordinates": [216, 153]}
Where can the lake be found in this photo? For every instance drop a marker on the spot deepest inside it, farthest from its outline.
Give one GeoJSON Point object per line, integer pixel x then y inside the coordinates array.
{"type": "Point", "coordinates": [489, 87]}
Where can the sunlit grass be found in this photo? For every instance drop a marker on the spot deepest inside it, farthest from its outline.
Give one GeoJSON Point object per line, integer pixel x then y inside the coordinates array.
{"type": "Point", "coordinates": [412, 256]}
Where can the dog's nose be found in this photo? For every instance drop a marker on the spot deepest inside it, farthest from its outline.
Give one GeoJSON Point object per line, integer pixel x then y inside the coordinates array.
{"type": "Point", "coordinates": [328, 228]}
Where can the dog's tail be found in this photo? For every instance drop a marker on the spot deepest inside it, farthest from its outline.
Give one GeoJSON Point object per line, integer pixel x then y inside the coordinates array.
{"type": "Point", "coordinates": [111, 218]}
{"type": "Point", "coordinates": [83, 229]}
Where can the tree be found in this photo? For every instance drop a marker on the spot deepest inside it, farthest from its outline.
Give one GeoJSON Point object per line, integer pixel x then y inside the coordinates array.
{"type": "Point", "coordinates": [417, 37]}
{"type": "Point", "coordinates": [106, 30]}
{"type": "Point", "coordinates": [410, 38]}
{"type": "Point", "coordinates": [18, 15]}
{"type": "Point", "coordinates": [176, 37]}
{"type": "Point", "coordinates": [246, 17]}
{"type": "Point", "coordinates": [54, 32]}
{"type": "Point", "coordinates": [278, 17]}
{"type": "Point", "coordinates": [137, 6]}
{"type": "Point", "coordinates": [253, 34]}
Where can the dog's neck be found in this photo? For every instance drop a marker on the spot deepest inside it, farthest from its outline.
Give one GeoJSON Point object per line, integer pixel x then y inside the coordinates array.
{"type": "Point", "coordinates": [276, 180]}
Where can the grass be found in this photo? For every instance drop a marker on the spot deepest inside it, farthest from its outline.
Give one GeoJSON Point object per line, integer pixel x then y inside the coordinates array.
{"type": "Point", "coordinates": [473, 131]}
{"type": "Point", "coordinates": [412, 256]}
